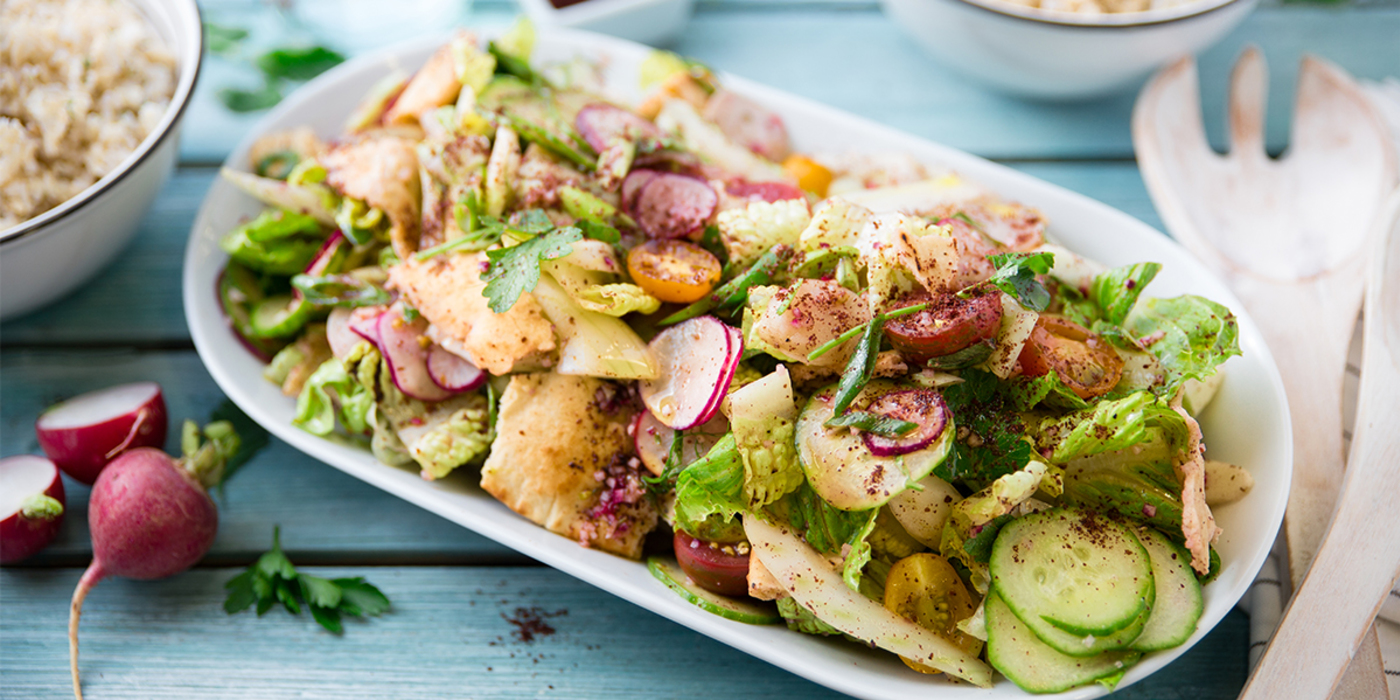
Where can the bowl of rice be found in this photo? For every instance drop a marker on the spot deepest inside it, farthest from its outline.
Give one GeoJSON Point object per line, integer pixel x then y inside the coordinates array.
{"type": "Point", "coordinates": [91, 97]}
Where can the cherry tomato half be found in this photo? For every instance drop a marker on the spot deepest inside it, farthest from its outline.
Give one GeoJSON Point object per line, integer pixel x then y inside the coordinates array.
{"type": "Point", "coordinates": [924, 589]}
{"type": "Point", "coordinates": [715, 567]}
{"type": "Point", "coordinates": [672, 270]}
{"type": "Point", "coordinates": [951, 323]}
{"type": "Point", "coordinates": [1084, 361]}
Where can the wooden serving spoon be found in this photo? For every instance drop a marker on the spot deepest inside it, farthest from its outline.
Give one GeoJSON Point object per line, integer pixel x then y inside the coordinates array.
{"type": "Point", "coordinates": [1360, 556]}
{"type": "Point", "coordinates": [1289, 236]}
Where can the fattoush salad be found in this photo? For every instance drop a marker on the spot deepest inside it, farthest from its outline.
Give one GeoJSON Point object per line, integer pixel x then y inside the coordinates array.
{"type": "Point", "coordinates": [851, 392]}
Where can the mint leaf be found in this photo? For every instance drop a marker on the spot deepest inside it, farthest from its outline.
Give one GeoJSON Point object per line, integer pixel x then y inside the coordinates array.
{"type": "Point", "coordinates": [516, 270]}
{"type": "Point", "coordinates": [1016, 275]}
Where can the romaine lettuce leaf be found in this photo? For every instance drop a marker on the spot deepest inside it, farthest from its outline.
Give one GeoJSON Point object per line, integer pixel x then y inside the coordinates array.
{"type": "Point", "coordinates": [1111, 424]}
{"type": "Point", "coordinates": [1189, 335]}
{"type": "Point", "coordinates": [1116, 291]}
{"type": "Point", "coordinates": [713, 485]}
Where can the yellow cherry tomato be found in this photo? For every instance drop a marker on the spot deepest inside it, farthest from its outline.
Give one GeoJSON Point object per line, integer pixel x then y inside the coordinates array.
{"type": "Point", "coordinates": [924, 589]}
{"type": "Point", "coordinates": [672, 270]}
{"type": "Point", "coordinates": [810, 174]}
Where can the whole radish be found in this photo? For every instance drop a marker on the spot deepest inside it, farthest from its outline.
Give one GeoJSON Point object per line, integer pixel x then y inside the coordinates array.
{"type": "Point", "coordinates": [151, 515]}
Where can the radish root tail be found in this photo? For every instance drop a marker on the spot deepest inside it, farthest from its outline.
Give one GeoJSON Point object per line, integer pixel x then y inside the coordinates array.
{"type": "Point", "coordinates": [140, 422]}
{"type": "Point", "coordinates": [90, 578]}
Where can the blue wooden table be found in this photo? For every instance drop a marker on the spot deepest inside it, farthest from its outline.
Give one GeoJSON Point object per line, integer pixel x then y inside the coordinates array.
{"type": "Point", "coordinates": [449, 634]}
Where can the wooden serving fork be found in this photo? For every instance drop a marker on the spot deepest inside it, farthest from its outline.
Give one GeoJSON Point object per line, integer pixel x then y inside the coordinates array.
{"type": "Point", "coordinates": [1289, 236]}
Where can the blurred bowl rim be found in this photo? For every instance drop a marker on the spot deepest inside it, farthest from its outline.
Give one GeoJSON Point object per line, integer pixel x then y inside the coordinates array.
{"type": "Point", "coordinates": [587, 10]}
{"type": "Point", "coordinates": [1107, 20]}
{"type": "Point", "coordinates": [179, 101]}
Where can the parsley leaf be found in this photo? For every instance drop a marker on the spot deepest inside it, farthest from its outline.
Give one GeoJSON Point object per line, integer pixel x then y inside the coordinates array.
{"type": "Point", "coordinates": [991, 438]}
{"type": "Point", "coordinates": [273, 579]}
{"type": "Point", "coordinates": [516, 270]}
{"type": "Point", "coordinates": [1016, 273]}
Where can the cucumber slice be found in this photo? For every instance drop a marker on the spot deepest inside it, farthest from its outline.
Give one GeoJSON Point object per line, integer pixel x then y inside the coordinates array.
{"type": "Point", "coordinates": [843, 471]}
{"type": "Point", "coordinates": [1179, 603]}
{"type": "Point", "coordinates": [279, 316]}
{"type": "Point", "coordinates": [1084, 646]}
{"type": "Point", "coordinates": [1033, 665]}
{"type": "Point", "coordinates": [753, 613]}
{"type": "Point", "coordinates": [1076, 570]}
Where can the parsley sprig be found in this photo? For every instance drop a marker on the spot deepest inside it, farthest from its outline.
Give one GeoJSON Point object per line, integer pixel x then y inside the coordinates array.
{"type": "Point", "coordinates": [1016, 275]}
{"type": "Point", "coordinates": [273, 579]}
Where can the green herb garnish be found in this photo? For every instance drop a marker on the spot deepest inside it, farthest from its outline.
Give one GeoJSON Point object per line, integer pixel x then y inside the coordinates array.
{"type": "Point", "coordinates": [516, 270]}
{"type": "Point", "coordinates": [1016, 273]}
{"type": "Point", "coordinates": [273, 579]}
{"type": "Point", "coordinates": [298, 63]}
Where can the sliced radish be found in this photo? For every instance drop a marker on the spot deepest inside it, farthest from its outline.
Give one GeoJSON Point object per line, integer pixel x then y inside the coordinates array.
{"type": "Point", "coordinates": [673, 206]}
{"type": "Point", "coordinates": [31, 506]}
{"type": "Point", "coordinates": [407, 356]}
{"type": "Point", "coordinates": [766, 191]}
{"type": "Point", "coordinates": [632, 186]}
{"type": "Point", "coordinates": [922, 407]}
{"type": "Point", "coordinates": [683, 162]}
{"type": "Point", "coordinates": [600, 123]}
{"type": "Point", "coordinates": [364, 322]}
{"type": "Point", "coordinates": [748, 124]}
{"type": "Point", "coordinates": [653, 440]}
{"type": "Point", "coordinates": [84, 433]}
{"type": "Point", "coordinates": [451, 372]}
{"type": "Point", "coordinates": [320, 264]}
{"type": "Point", "coordinates": [338, 332]}
{"type": "Point", "coordinates": [696, 361]}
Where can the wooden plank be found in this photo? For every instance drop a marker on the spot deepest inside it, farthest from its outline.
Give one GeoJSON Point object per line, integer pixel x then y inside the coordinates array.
{"type": "Point", "coordinates": [447, 636]}
{"type": "Point", "coordinates": [325, 515]}
{"type": "Point", "coordinates": [137, 300]}
{"type": "Point", "coordinates": [869, 67]}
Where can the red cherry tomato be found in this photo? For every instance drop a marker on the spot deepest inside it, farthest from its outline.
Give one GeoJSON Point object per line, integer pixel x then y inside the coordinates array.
{"type": "Point", "coordinates": [951, 323]}
{"type": "Point", "coordinates": [713, 566]}
{"type": "Point", "coordinates": [1084, 361]}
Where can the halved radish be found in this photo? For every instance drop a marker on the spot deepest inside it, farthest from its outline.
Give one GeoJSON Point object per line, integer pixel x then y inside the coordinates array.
{"type": "Point", "coordinates": [407, 356]}
{"type": "Point", "coordinates": [922, 407]}
{"type": "Point", "coordinates": [696, 361]}
{"type": "Point", "coordinates": [673, 206]}
{"type": "Point", "coordinates": [364, 322]}
{"type": "Point", "coordinates": [84, 433]}
{"type": "Point", "coordinates": [451, 372]}
{"type": "Point", "coordinates": [653, 440]}
{"type": "Point", "coordinates": [600, 123]}
{"type": "Point", "coordinates": [31, 506]}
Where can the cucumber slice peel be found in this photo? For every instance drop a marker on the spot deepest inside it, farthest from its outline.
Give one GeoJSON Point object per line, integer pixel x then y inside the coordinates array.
{"type": "Point", "coordinates": [752, 613]}
{"type": "Point", "coordinates": [1179, 602]}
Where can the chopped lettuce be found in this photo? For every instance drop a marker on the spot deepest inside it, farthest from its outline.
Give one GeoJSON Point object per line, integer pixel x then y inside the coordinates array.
{"type": "Point", "coordinates": [599, 291]}
{"type": "Point", "coordinates": [1189, 335]}
{"type": "Point", "coordinates": [837, 223]}
{"type": "Point", "coordinates": [1111, 424]}
{"type": "Point", "coordinates": [1138, 483]}
{"type": "Point", "coordinates": [712, 485]}
{"type": "Point", "coordinates": [594, 344]}
{"type": "Point", "coordinates": [1116, 291]}
{"type": "Point", "coordinates": [749, 232]}
{"type": "Point", "coordinates": [331, 395]}
{"type": "Point", "coordinates": [763, 416]}
{"type": "Point", "coordinates": [461, 437]}
{"type": "Point", "coordinates": [276, 242]}
{"type": "Point", "coordinates": [802, 620]}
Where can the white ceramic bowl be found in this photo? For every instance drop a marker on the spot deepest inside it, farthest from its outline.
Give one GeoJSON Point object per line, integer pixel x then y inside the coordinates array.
{"type": "Point", "coordinates": [1060, 55]}
{"type": "Point", "coordinates": [55, 252]}
{"type": "Point", "coordinates": [1246, 424]}
{"type": "Point", "coordinates": [651, 22]}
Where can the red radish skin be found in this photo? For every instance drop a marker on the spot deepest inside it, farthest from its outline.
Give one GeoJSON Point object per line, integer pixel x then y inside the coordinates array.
{"type": "Point", "coordinates": [652, 440]}
{"type": "Point", "coordinates": [673, 206]}
{"type": "Point", "coordinates": [364, 322]}
{"type": "Point", "coordinates": [632, 186]}
{"type": "Point", "coordinates": [150, 516]}
{"type": "Point", "coordinates": [318, 264]}
{"type": "Point", "coordinates": [764, 191]}
{"type": "Point", "coordinates": [453, 373]}
{"type": "Point", "coordinates": [28, 524]}
{"type": "Point", "coordinates": [401, 343]}
{"type": "Point", "coordinates": [83, 434]}
{"type": "Point", "coordinates": [600, 123]}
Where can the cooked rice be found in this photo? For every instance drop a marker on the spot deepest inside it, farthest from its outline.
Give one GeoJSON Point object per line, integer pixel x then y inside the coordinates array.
{"type": "Point", "coordinates": [82, 83]}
